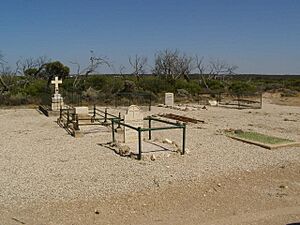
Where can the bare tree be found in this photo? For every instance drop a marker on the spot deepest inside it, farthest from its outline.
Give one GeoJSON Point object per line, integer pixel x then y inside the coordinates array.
{"type": "Point", "coordinates": [94, 64]}
{"type": "Point", "coordinates": [23, 65]}
{"type": "Point", "coordinates": [138, 64]}
{"type": "Point", "coordinates": [220, 69]}
{"type": "Point", "coordinates": [2, 73]}
{"type": "Point", "coordinates": [121, 70]}
{"type": "Point", "coordinates": [172, 64]}
{"type": "Point", "coordinates": [201, 68]}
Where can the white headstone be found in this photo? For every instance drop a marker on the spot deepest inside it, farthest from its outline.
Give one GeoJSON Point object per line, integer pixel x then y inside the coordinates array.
{"type": "Point", "coordinates": [56, 82]}
{"type": "Point", "coordinates": [57, 100]}
{"type": "Point", "coordinates": [133, 117]}
{"type": "Point", "coordinates": [169, 99]}
{"type": "Point", "coordinates": [81, 110]}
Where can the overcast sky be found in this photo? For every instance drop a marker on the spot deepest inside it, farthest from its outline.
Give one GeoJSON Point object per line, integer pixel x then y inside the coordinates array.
{"type": "Point", "coordinates": [259, 36]}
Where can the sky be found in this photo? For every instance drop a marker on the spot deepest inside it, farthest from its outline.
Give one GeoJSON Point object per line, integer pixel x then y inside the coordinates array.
{"type": "Point", "coordinates": [259, 36]}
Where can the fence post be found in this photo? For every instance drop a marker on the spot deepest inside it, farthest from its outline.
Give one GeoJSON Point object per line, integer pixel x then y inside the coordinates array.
{"type": "Point", "coordinates": [113, 131]}
{"type": "Point", "coordinates": [94, 111]}
{"type": "Point", "coordinates": [119, 125]}
{"type": "Point", "coordinates": [183, 138]}
{"type": "Point", "coordinates": [150, 102]}
{"type": "Point", "coordinates": [105, 115]}
{"type": "Point", "coordinates": [149, 128]}
{"type": "Point", "coordinates": [140, 143]}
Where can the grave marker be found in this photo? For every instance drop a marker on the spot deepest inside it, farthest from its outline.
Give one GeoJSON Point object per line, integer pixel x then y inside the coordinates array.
{"type": "Point", "coordinates": [133, 117]}
{"type": "Point", "coordinates": [169, 99]}
{"type": "Point", "coordinates": [57, 100]}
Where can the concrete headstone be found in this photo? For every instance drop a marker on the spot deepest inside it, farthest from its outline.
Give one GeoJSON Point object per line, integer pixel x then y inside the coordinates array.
{"type": "Point", "coordinates": [57, 100]}
{"type": "Point", "coordinates": [133, 117]}
{"type": "Point", "coordinates": [169, 99]}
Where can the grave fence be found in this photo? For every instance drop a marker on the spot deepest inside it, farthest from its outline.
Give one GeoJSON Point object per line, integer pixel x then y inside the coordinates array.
{"type": "Point", "coordinates": [139, 130]}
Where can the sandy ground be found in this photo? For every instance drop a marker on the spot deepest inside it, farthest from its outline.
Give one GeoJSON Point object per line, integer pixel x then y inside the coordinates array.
{"type": "Point", "coordinates": [48, 177]}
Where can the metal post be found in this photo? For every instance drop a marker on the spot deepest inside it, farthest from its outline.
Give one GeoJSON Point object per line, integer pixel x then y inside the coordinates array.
{"type": "Point", "coordinates": [183, 138]}
{"type": "Point", "coordinates": [68, 117]}
{"type": "Point", "coordinates": [105, 115]}
{"type": "Point", "coordinates": [140, 143]}
{"type": "Point", "coordinates": [113, 131]}
{"type": "Point", "coordinates": [94, 111]}
{"type": "Point", "coordinates": [150, 128]}
{"type": "Point", "coordinates": [150, 102]}
{"type": "Point", "coordinates": [60, 114]}
{"type": "Point", "coordinates": [119, 125]}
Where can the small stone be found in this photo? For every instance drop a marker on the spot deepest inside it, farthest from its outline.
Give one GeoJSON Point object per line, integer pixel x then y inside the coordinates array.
{"type": "Point", "coordinates": [168, 141]}
{"type": "Point", "coordinates": [219, 185]}
{"type": "Point", "coordinates": [124, 150]}
{"type": "Point", "coordinates": [152, 157]}
{"type": "Point", "coordinates": [96, 211]}
{"type": "Point", "coordinates": [283, 186]}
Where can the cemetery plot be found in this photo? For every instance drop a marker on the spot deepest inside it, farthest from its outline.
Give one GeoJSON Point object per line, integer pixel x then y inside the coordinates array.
{"type": "Point", "coordinates": [72, 118]}
{"type": "Point", "coordinates": [133, 128]}
{"type": "Point", "coordinates": [181, 118]}
{"type": "Point", "coordinates": [261, 140]}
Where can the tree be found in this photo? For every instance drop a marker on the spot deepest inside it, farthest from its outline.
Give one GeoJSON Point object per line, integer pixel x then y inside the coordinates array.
{"type": "Point", "coordinates": [2, 62]}
{"type": "Point", "coordinates": [171, 64]}
{"type": "Point", "coordinates": [53, 69]}
{"type": "Point", "coordinates": [31, 66]}
{"type": "Point", "coordinates": [94, 64]}
{"type": "Point", "coordinates": [220, 69]}
{"type": "Point", "coordinates": [199, 65]}
{"type": "Point", "coordinates": [138, 64]}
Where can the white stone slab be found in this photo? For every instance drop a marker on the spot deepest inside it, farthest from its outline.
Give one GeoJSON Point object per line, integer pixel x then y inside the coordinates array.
{"type": "Point", "coordinates": [81, 110]}
{"type": "Point", "coordinates": [133, 117]}
{"type": "Point", "coordinates": [169, 99]}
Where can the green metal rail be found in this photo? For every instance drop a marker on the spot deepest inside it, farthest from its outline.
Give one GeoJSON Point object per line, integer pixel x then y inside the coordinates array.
{"type": "Point", "coordinates": [150, 129]}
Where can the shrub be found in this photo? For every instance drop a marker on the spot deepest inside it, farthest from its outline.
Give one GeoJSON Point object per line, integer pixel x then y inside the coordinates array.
{"type": "Point", "coordinates": [242, 88]}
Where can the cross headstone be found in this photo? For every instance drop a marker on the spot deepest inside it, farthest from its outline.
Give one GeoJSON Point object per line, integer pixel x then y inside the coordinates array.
{"type": "Point", "coordinates": [133, 117]}
{"type": "Point", "coordinates": [57, 100]}
{"type": "Point", "coordinates": [169, 99]}
{"type": "Point", "coordinates": [56, 82]}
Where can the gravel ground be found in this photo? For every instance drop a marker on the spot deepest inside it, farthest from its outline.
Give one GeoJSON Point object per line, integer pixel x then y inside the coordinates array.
{"type": "Point", "coordinates": [40, 162]}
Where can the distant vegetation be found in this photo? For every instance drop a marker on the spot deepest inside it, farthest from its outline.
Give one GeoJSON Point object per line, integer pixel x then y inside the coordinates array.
{"type": "Point", "coordinates": [173, 71]}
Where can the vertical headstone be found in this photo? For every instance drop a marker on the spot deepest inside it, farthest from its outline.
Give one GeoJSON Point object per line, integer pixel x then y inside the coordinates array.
{"type": "Point", "coordinates": [57, 100]}
{"type": "Point", "coordinates": [169, 99]}
{"type": "Point", "coordinates": [133, 117]}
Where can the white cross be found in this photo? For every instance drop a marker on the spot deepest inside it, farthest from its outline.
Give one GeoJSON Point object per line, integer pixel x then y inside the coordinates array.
{"type": "Point", "coordinates": [56, 82]}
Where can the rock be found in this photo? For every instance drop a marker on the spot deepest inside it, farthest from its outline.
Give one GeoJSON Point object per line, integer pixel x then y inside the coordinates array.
{"type": "Point", "coordinates": [124, 150]}
{"type": "Point", "coordinates": [238, 131]}
{"type": "Point", "coordinates": [175, 144]}
{"type": "Point", "coordinates": [219, 185]}
{"type": "Point", "coordinates": [283, 186]}
{"type": "Point", "coordinates": [167, 141]}
{"type": "Point", "coordinates": [96, 211]}
{"type": "Point", "coordinates": [212, 102]}
{"type": "Point", "coordinates": [152, 157]}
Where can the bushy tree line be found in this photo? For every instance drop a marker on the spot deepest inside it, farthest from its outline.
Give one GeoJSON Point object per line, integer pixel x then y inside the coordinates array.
{"type": "Point", "coordinates": [172, 71]}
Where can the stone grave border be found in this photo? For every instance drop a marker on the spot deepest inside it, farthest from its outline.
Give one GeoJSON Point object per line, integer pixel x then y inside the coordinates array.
{"type": "Point", "coordinates": [69, 120]}
{"type": "Point", "coordinates": [236, 101]}
{"type": "Point", "coordinates": [139, 130]}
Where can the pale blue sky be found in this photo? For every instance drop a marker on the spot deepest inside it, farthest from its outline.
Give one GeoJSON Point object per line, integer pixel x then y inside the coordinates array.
{"type": "Point", "coordinates": [260, 36]}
